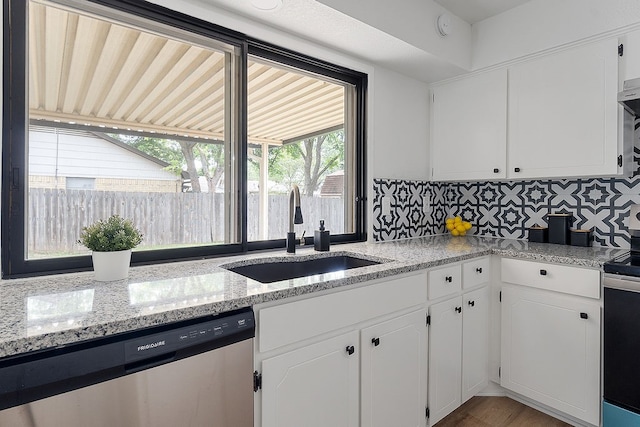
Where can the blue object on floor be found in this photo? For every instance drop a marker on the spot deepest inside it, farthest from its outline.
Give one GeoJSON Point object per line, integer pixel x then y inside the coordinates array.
{"type": "Point", "coordinates": [615, 416]}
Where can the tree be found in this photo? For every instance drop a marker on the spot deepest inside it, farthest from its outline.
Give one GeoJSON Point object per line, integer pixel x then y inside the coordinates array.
{"type": "Point", "coordinates": [184, 155]}
{"type": "Point", "coordinates": [187, 148]}
{"type": "Point", "coordinates": [166, 150]}
{"type": "Point", "coordinates": [305, 162]}
{"type": "Point", "coordinates": [212, 163]}
{"type": "Point", "coordinates": [320, 154]}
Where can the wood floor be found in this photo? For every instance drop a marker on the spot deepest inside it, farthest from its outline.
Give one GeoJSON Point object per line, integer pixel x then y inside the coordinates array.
{"type": "Point", "coordinates": [482, 411]}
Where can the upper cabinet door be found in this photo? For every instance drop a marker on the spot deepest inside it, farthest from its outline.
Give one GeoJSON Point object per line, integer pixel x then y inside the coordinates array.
{"type": "Point", "coordinates": [469, 120]}
{"type": "Point", "coordinates": [563, 113]}
{"type": "Point", "coordinates": [631, 58]}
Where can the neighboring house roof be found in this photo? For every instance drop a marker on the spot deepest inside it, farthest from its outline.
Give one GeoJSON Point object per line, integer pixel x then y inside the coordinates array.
{"type": "Point", "coordinates": [130, 148]}
{"type": "Point", "coordinates": [333, 184]}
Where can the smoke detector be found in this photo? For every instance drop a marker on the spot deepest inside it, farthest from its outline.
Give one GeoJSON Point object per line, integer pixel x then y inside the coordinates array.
{"type": "Point", "coordinates": [444, 24]}
{"type": "Point", "coordinates": [267, 5]}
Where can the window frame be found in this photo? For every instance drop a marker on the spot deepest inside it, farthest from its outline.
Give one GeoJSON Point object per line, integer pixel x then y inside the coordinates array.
{"type": "Point", "coordinates": [15, 125]}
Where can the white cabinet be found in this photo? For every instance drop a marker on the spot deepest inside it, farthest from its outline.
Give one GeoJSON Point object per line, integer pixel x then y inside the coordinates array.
{"type": "Point", "coordinates": [458, 351]}
{"type": "Point", "coordinates": [631, 57]}
{"type": "Point", "coordinates": [563, 113]}
{"type": "Point", "coordinates": [476, 272]}
{"type": "Point", "coordinates": [469, 128]}
{"type": "Point", "coordinates": [475, 342]}
{"type": "Point", "coordinates": [551, 349]}
{"type": "Point", "coordinates": [394, 372]}
{"type": "Point", "coordinates": [383, 368]}
{"type": "Point", "coordinates": [551, 116]}
{"type": "Point", "coordinates": [356, 357]}
{"type": "Point", "coordinates": [445, 358]}
{"type": "Point", "coordinates": [444, 281]}
{"type": "Point", "coordinates": [314, 386]}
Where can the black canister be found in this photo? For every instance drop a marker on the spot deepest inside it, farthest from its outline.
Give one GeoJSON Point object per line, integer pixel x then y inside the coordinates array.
{"type": "Point", "coordinates": [559, 225]}
{"type": "Point", "coordinates": [538, 234]}
{"type": "Point", "coordinates": [581, 237]}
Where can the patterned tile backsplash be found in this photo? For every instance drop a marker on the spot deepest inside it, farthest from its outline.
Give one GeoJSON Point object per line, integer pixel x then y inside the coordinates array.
{"type": "Point", "coordinates": [504, 208]}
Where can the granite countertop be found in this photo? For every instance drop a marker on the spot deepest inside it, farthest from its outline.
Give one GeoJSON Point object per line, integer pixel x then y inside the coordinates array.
{"type": "Point", "coordinates": [53, 311]}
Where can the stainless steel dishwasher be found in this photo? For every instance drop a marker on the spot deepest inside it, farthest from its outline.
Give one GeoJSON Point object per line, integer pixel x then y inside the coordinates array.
{"type": "Point", "coordinates": [198, 373]}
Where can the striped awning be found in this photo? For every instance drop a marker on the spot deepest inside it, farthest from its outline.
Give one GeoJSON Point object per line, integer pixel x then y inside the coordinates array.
{"type": "Point", "coordinates": [91, 71]}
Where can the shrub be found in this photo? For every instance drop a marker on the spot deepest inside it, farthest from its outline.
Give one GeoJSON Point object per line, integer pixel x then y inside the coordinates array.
{"type": "Point", "coordinates": [113, 234]}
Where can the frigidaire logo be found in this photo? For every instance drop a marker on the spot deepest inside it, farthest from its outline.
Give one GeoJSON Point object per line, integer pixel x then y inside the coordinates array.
{"type": "Point", "coordinates": [151, 345]}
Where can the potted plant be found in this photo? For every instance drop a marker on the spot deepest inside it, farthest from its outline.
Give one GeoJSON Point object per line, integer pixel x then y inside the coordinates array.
{"type": "Point", "coordinates": [111, 242]}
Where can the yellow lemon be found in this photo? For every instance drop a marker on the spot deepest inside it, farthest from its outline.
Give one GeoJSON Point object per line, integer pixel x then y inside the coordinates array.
{"type": "Point", "coordinates": [458, 219]}
{"type": "Point", "coordinates": [463, 233]}
{"type": "Point", "coordinates": [460, 227]}
{"type": "Point", "coordinates": [450, 226]}
{"type": "Point", "coordinates": [455, 232]}
{"type": "Point", "coordinates": [466, 224]}
{"type": "Point", "coordinates": [449, 221]}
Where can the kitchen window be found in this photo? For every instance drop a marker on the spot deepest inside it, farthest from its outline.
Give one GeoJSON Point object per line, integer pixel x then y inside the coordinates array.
{"type": "Point", "coordinates": [297, 136]}
{"type": "Point", "coordinates": [195, 132]}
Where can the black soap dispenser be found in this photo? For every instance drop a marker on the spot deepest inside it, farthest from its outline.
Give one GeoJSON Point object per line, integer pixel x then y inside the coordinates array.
{"type": "Point", "coordinates": [321, 238]}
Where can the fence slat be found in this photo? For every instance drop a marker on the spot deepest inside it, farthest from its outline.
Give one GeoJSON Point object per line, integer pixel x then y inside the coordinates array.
{"type": "Point", "coordinates": [56, 217]}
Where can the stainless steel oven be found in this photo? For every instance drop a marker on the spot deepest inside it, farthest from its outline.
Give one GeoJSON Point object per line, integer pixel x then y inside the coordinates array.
{"type": "Point", "coordinates": [197, 374]}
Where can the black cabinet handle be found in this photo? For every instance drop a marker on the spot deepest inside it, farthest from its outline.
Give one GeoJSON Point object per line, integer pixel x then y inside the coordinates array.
{"type": "Point", "coordinates": [448, 279]}
{"type": "Point", "coordinates": [471, 303]}
{"type": "Point", "coordinates": [350, 350]}
{"type": "Point", "coordinates": [584, 316]}
{"type": "Point", "coordinates": [543, 272]}
{"type": "Point", "coordinates": [496, 170]}
{"type": "Point", "coordinates": [479, 270]}
{"type": "Point", "coordinates": [458, 309]}
{"type": "Point", "coordinates": [516, 169]}
{"type": "Point", "coordinates": [375, 341]}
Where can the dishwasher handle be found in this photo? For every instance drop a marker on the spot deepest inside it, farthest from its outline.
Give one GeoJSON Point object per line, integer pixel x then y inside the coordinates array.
{"type": "Point", "coordinates": [141, 365]}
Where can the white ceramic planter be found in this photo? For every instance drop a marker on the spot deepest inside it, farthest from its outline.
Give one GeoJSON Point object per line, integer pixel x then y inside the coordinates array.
{"type": "Point", "coordinates": [109, 266]}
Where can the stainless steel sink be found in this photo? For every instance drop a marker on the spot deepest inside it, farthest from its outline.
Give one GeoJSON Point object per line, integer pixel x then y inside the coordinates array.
{"type": "Point", "coordinates": [274, 271]}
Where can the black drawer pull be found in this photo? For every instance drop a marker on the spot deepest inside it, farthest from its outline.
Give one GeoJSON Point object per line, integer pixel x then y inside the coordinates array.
{"type": "Point", "coordinates": [375, 341]}
{"type": "Point", "coordinates": [496, 170]}
{"type": "Point", "coordinates": [350, 350]}
{"type": "Point", "coordinates": [516, 169]}
{"type": "Point", "coordinates": [471, 303]}
{"type": "Point", "coordinates": [584, 316]}
{"type": "Point", "coordinates": [448, 279]}
{"type": "Point", "coordinates": [458, 309]}
{"type": "Point", "coordinates": [543, 272]}
{"type": "Point", "coordinates": [479, 270]}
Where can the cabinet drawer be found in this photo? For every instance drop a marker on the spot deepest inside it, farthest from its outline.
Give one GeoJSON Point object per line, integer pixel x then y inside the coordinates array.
{"type": "Point", "coordinates": [445, 281]}
{"type": "Point", "coordinates": [299, 320]}
{"type": "Point", "coordinates": [476, 272]}
{"type": "Point", "coordinates": [560, 278]}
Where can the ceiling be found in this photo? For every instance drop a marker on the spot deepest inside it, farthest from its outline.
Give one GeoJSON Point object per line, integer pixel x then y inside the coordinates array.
{"type": "Point", "coordinates": [331, 23]}
{"type": "Point", "coordinates": [474, 11]}
{"type": "Point", "coordinates": [86, 71]}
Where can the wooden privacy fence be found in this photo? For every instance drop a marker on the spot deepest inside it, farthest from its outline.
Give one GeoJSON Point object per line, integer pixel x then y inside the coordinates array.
{"type": "Point", "coordinates": [56, 217]}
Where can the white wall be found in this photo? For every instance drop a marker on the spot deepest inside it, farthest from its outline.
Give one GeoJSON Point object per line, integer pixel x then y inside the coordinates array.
{"type": "Point", "coordinates": [539, 25]}
{"type": "Point", "coordinates": [413, 21]}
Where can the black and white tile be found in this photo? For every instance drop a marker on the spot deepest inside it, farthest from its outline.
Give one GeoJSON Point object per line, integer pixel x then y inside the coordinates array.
{"type": "Point", "coordinates": [506, 208]}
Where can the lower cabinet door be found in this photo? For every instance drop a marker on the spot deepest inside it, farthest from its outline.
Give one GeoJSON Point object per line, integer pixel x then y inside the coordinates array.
{"type": "Point", "coordinates": [314, 386]}
{"type": "Point", "coordinates": [475, 342]}
{"type": "Point", "coordinates": [445, 358]}
{"type": "Point", "coordinates": [394, 372]}
{"type": "Point", "coordinates": [551, 350]}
